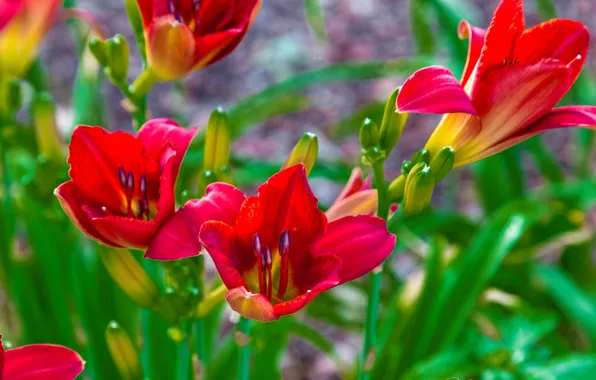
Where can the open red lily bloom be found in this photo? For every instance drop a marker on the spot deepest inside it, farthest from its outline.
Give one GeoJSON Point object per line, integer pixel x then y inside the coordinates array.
{"type": "Point", "coordinates": [122, 187]}
{"type": "Point", "coordinates": [357, 198]}
{"type": "Point", "coordinates": [280, 252]}
{"type": "Point", "coordinates": [23, 24]}
{"type": "Point", "coordinates": [39, 361]}
{"type": "Point", "coordinates": [186, 35]}
{"type": "Point", "coordinates": [512, 80]}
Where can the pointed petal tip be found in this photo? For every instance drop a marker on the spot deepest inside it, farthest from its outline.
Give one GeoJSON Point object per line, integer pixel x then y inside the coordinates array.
{"type": "Point", "coordinates": [251, 305]}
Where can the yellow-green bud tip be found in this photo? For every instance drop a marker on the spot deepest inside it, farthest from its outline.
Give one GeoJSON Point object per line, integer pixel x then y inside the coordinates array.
{"type": "Point", "coordinates": [419, 188]}
{"type": "Point", "coordinates": [305, 151]}
{"type": "Point", "coordinates": [217, 141]}
{"type": "Point", "coordinates": [442, 163]}
{"type": "Point", "coordinates": [393, 124]}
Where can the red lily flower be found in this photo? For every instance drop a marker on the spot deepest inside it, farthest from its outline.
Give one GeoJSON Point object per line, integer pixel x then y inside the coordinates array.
{"type": "Point", "coordinates": [186, 35]}
{"type": "Point", "coordinates": [357, 198]}
{"type": "Point", "coordinates": [280, 252]}
{"type": "Point", "coordinates": [39, 361]}
{"type": "Point", "coordinates": [512, 80]}
{"type": "Point", "coordinates": [122, 187]}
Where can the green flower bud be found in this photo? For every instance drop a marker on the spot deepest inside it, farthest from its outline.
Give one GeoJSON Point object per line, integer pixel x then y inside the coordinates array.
{"type": "Point", "coordinates": [99, 50]}
{"type": "Point", "coordinates": [130, 276]}
{"type": "Point", "coordinates": [118, 54]}
{"type": "Point", "coordinates": [217, 141]}
{"type": "Point", "coordinates": [305, 151]}
{"type": "Point", "coordinates": [422, 155]}
{"type": "Point", "coordinates": [224, 174]}
{"type": "Point", "coordinates": [420, 185]}
{"type": "Point", "coordinates": [206, 178]}
{"type": "Point", "coordinates": [406, 166]}
{"type": "Point", "coordinates": [442, 163]}
{"type": "Point", "coordinates": [369, 134]}
{"type": "Point", "coordinates": [49, 141]}
{"type": "Point", "coordinates": [124, 352]}
{"type": "Point", "coordinates": [15, 99]}
{"type": "Point", "coordinates": [396, 189]}
{"type": "Point", "coordinates": [392, 125]}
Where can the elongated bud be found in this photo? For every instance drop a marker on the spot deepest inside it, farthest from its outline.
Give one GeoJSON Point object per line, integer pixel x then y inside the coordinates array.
{"type": "Point", "coordinates": [369, 134]}
{"type": "Point", "coordinates": [418, 192]}
{"type": "Point", "coordinates": [49, 142]}
{"type": "Point", "coordinates": [306, 151]}
{"type": "Point", "coordinates": [206, 178]}
{"type": "Point", "coordinates": [130, 276]}
{"type": "Point", "coordinates": [397, 188]}
{"type": "Point", "coordinates": [118, 54]}
{"type": "Point", "coordinates": [217, 141]}
{"type": "Point", "coordinates": [422, 155]}
{"type": "Point", "coordinates": [393, 124]}
{"type": "Point", "coordinates": [124, 352]}
{"type": "Point", "coordinates": [442, 163]}
{"type": "Point", "coordinates": [224, 174]}
{"type": "Point", "coordinates": [406, 166]}
{"type": "Point", "coordinates": [99, 50]}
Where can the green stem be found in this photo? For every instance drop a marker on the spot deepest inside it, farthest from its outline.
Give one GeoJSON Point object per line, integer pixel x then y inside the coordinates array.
{"type": "Point", "coordinates": [199, 335]}
{"type": "Point", "coordinates": [183, 354]}
{"type": "Point", "coordinates": [374, 295]}
{"type": "Point", "coordinates": [242, 339]}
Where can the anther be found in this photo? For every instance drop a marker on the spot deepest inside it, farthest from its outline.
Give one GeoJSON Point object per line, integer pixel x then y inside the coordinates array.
{"type": "Point", "coordinates": [284, 249]}
{"type": "Point", "coordinates": [143, 185]}
{"type": "Point", "coordinates": [257, 244]}
{"type": "Point", "coordinates": [284, 243]}
{"type": "Point", "coordinates": [130, 182]}
{"type": "Point", "coordinates": [122, 177]}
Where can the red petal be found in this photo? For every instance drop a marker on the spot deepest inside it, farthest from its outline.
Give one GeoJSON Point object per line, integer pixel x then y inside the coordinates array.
{"type": "Point", "coordinates": [146, 10]}
{"type": "Point", "coordinates": [219, 240]}
{"type": "Point", "coordinates": [362, 243]}
{"type": "Point", "coordinates": [503, 33]}
{"type": "Point", "coordinates": [42, 361]}
{"type": "Point", "coordinates": [434, 90]}
{"type": "Point", "coordinates": [354, 184]}
{"type": "Point", "coordinates": [222, 15]}
{"type": "Point", "coordinates": [1, 357]}
{"type": "Point", "coordinates": [564, 40]}
{"type": "Point", "coordinates": [158, 133]}
{"type": "Point", "coordinates": [285, 202]}
{"type": "Point", "coordinates": [9, 10]}
{"type": "Point", "coordinates": [124, 231]}
{"type": "Point", "coordinates": [95, 157]}
{"type": "Point", "coordinates": [475, 36]}
{"type": "Point", "coordinates": [251, 305]}
{"type": "Point", "coordinates": [213, 47]}
{"type": "Point", "coordinates": [362, 203]}
{"type": "Point", "coordinates": [179, 237]}
{"type": "Point", "coordinates": [72, 203]}
{"type": "Point", "coordinates": [322, 274]}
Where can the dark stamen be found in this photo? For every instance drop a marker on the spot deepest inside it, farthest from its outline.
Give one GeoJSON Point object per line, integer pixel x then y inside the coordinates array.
{"type": "Point", "coordinates": [258, 250]}
{"type": "Point", "coordinates": [258, 247]}
{"type": "Point", "coordinates": [284, 249]}
{"type": "Point", "coordinates": [269, 262]}
{"type": "Point", "coordinates": [141, 210]}
{"type": "Point", "coordinates": [146, 208]}
{"type": "Point", "coordinates": [143, 186]}
{"type": "Point", "coordinates": [130, 182]}
{"type": "Point", "coordinates": [122, 177]}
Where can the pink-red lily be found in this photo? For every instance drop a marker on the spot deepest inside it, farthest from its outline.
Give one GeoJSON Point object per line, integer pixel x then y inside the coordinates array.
{"type": "Point", "coordinates": [122, 187]}
{"type": "Point", "coordinates": [280, 251]}
{"type": "Point", "coordinates": [23, 25]}
{"type": "Point", "coordinates": [186, 35]}
{"type": "Point", "coordinates": [357, 198]}
{"type": "Point", "coordinates": [39, 361]}
{"type": "Point", "coordinates": [512, 80]}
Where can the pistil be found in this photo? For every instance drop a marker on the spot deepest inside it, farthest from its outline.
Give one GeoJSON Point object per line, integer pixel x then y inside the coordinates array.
{"type": "Point", "coordinates": [284, 249]}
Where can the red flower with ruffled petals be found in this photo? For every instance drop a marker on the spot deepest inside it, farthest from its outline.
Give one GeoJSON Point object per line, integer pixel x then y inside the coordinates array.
{"type": "Point", "coordinates": [122, 187]}
{"type": "Point", "coordinates": [280, 251]}
{"type": "Point", "coordinates": [186, 35]}
{"type": "Point", "coordinates": [512, 80]}
{"type": "Point", "coordinates": [39, 361]}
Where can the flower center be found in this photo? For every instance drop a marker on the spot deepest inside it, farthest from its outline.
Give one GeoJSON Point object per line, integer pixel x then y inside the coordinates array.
{"type": "Point", "coordinates": [137, 203]}
{"type": "Point", "coordinates": [192, 20]}
{"type": "Point", "coordinates": [265, 266]}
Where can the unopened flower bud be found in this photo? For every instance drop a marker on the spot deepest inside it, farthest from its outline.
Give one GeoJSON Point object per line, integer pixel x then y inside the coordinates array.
{"type": "Point", "coordinates": [406, 166]}
{"type": "Point", "coordinates": [130, 276]}
{"type": "Point", "coordinates": [49, 141]}
{"type": "Point", "coordinates": [442, 163]}
{"type": "Point", "coordinates": [397, 188]}
{"type": "Point", "coordinates": [418, 192]}
{"type": "Point", "coordinates": [422, 155]}
{"type": "Point", "coordinates": [392, 125]}
{"type": "Point", "coordinates": [217, 141]}
{"type": "Point", "coordinates": [206, 178]}
{"type": "Point", "coordinates": [99, 50]}
{"type": "Point", "coordinates": [369, 134]}
{"type": "Point", "coordinates": [124, 352]}
{"type": "Point", "coordinates": [118, 55]}
{"type": "Point", "coordinates": [306, 151]}
{"type": "Point", "coordinates": [224, 174]}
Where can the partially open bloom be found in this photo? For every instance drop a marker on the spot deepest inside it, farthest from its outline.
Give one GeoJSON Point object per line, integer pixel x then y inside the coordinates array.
{"type": "Point", "coordinates": [23, 25]}
{"type": "Point", "coordinates": [512, 80]}
{"type": "Point", "coordinates": [186, 35]}
{"type": "Point", "coordinates": [122, 187]}
{"type": "Point", "coordinates": [280, 251]}
{"type": "Point", "coordinates": [39, 361]}
{"type": "Point", "coordinates": [356, 198]}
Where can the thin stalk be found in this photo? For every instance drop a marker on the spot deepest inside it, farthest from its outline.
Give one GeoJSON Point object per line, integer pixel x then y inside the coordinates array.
{"type": "Point", "coordinates": [243, 341]}
{"type": "Point", "coordinates": [183, 354]}
{"type": "Point", "coordinates": [199, 337]}
{"type": "Point", "coordinates": [374, 295]}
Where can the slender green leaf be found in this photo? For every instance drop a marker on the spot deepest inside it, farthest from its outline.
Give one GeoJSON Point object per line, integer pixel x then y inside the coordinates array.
{"type": "Point", "coordinates": [316, 19]}
{"type": "Point", "coordinates": [574, 367]}
{"type": "Point", "coordinates": [422, 29]}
